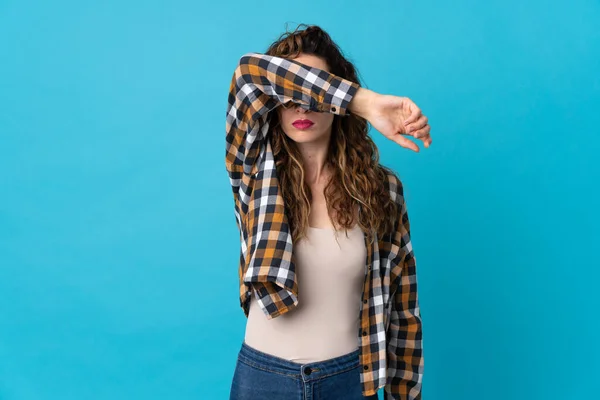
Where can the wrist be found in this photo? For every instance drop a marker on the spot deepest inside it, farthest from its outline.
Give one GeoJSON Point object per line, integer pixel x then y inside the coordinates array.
{"type": "Point", "coordinates": [361, 103]}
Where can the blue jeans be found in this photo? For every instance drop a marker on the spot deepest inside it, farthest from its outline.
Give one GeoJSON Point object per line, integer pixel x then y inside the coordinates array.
{"type": "Point", "coordinates": [261, 376]}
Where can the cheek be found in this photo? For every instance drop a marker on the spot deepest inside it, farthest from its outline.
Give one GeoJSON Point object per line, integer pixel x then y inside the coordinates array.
{"type": "Point", "coordinates": [327, 118]}
{"type": "Point", "coordinates": [287, 116]}
{"type": "Point", "coordinates": [323, 119]}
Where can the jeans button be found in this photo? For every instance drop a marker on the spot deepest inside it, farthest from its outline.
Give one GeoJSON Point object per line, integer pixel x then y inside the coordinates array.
{"type": "Point", "coordinates": [307, 370]}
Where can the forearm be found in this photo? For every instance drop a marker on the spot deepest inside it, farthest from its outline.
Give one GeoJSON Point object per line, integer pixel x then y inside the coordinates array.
{"type": "Point", "coordinates": [362, 102]}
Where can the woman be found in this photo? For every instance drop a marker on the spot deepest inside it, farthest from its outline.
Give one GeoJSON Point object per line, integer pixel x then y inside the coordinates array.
{"type": "Point", "coordinates": [329, 316]}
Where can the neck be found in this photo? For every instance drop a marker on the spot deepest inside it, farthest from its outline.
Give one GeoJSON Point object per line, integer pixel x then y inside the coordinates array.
{"type": "Point", "coordinates": [314, 157]}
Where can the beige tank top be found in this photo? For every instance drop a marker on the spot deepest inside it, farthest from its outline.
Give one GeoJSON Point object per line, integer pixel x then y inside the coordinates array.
{"type": "Point", "coordinates": [325, 323]}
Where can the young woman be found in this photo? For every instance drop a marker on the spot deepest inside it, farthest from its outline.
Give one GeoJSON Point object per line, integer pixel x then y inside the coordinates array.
{"type": "Point", "coordinates": [327, 271]}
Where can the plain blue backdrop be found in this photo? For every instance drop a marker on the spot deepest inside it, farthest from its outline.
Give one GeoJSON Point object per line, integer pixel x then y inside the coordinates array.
{"type": "Point", "coordinates": [118, 242]}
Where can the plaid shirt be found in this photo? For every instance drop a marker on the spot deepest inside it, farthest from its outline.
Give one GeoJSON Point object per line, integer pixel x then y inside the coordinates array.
{"type": "Point", "coordinates": [390, 337]}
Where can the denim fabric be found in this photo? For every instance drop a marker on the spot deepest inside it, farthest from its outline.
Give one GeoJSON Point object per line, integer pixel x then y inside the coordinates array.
{"type": "Point", "coordinates": [261, 376]}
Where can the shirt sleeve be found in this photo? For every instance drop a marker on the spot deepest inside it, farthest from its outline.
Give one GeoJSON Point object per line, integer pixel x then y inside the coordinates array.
{"type": "Point", "coordinates": [405, 352]}
{"type": "Point", "coordinates": [259, 84]}
{"type": "Point", "coordinates": [262, 82]}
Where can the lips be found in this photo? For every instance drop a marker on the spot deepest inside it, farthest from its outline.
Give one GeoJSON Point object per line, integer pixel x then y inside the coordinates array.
{"type": "Point", "coordinates": [303, 123]}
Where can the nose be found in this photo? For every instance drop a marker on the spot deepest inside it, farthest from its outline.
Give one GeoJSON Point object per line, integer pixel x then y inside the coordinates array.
{"type": "Point", "coordinates": [301, 110]}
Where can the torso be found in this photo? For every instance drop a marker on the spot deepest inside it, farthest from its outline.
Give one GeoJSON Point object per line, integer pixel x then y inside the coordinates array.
{"type": "Point", "coordinates": [331, 272]}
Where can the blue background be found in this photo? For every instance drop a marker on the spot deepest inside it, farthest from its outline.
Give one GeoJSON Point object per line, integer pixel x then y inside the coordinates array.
{"type": "Point", "coordinates": [118, 243]}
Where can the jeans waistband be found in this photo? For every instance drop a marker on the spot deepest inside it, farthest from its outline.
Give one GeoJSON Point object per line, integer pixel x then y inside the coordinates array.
{"type": "Point", "coordinates": [308, 371]}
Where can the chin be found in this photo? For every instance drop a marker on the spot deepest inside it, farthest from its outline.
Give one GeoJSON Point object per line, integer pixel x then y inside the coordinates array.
{"type": "Point", "coordinates": [304, 138]}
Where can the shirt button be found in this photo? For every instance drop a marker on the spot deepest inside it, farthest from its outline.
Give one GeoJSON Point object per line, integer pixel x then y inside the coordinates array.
{"type": "Point", "coordinates": [307, 370]}
{"type": "Point", "coordinates": [364, 333]}
{"type": "Point", "coordinates": [365, 301]}
{"type": "Point", "coordinates": [366, 367]}
{"type": "Point", "coordinates": [333, 109]}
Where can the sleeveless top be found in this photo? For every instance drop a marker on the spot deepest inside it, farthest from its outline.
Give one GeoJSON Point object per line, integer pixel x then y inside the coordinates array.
{"type": "Point", "coordinates": [330, 267]}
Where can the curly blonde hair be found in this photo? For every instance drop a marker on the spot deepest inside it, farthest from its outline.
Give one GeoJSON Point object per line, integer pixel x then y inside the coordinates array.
{"type": "Point", "coordinates": [359, 181]}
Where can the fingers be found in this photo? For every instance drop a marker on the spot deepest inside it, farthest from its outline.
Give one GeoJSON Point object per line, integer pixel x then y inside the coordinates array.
{"type": "Point", "coordinates": [420, 130]}
{"type": "Point", "coordinates": [420, 123]}
{"type": "Point", "coordinates": [415, 113]}
{"type": "Point", "coordinates": [424, 135]}
{"type": "Point", "coordinates": [404, 142]}
{"type": "Point", "coordinates": [416, 125]}
{"type": "Point", "coordinates": [427, 141]}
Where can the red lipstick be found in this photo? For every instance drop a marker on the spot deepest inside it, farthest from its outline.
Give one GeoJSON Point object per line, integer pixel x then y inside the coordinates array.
{"type": "Point", "coordinates": [303, 123]}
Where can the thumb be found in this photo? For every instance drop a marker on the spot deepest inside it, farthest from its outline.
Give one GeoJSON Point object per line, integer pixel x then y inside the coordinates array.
{"type": "Point", "coordinates": [405, 142]}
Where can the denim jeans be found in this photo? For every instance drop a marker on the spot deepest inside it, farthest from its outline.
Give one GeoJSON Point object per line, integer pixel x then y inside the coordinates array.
{"type": "Point", "coordinates": [261, 376]}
